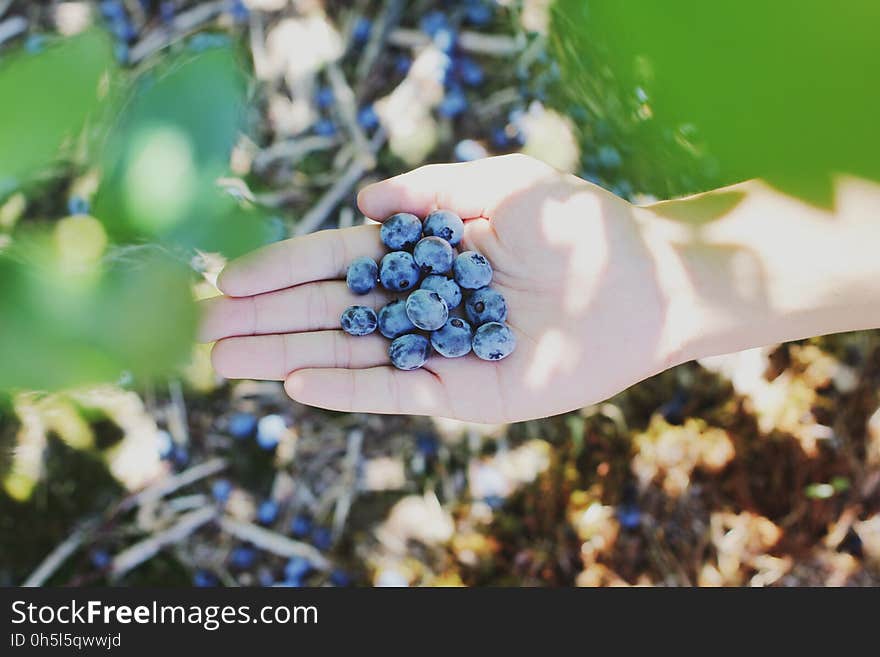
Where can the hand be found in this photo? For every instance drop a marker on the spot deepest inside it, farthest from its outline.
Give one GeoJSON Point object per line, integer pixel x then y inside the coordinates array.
{"type": "Point", "coordinates": [583, 290]}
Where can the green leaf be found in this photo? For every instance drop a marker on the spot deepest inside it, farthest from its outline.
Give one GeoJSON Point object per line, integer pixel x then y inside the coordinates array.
{"type": "Point", "coordinates": [710, 93]}
{"type": "Point", "coordinates": [164, 156]}
{"type": "Point", "coordinates": [62, 328]}
{"type": "Point", "coordinates": [44, 99]}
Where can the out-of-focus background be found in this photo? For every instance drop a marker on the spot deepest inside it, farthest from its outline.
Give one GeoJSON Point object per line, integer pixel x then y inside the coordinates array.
{"type": "Point", "coordinates": [143, 142]}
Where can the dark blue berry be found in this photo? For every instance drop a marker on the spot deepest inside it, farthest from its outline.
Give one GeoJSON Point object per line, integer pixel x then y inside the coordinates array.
{"type": "Point", "coordinates": [426, 310]}
{"type": "Point", "coordinates": [453, 103]}
{"type": "Point", "coordinates": [340, 578]}
{"type": "Point", "coordinates": [242, 425]}
{"type": "Point", "coordinates": [297, 568]}
{"type": "Point", "coordinates": [324, 98]}
{"type": "Point", "coordinates": [267, 512]}
{"type": "Point", "coordinates": [453, 339]}
{"type": "Point", "coordinates": [324, 128]}
{"type": "Point", "coordinates": [393, 321]}
{"type": "Point", "coordinates": [485, 305]}
{"type": "Point", "coordinates": [270, 429]}
{"type": "Point", "coordinates": [445, 224]}
{"type": "Point", "coordinates": [629, 516]}
{"type": "Point", "coordinates": [433, 255]}
{"type": "Point", "coordinates": [361, 30]}
{"type": "Point", "coordinates": [301, 525]}
{"type": "Point", "coordinates": [362, 275]}
{"type": "Point", "coordinates": [409, 352]}
{"type": "Point", "coordinates": [322, 538]}
{"type": "Point", "coordinates": [221, 490]}
{"type": "Point", "coordinates": [493, 341]}
{"type": "Point", "coordinates": [402, 64]}
{"type": "Point", "coordinates": [401, 231]}
{"type": "Point", "coordinates": [203, 579]}
{"type": "Point", "coordinates": [609, 157]}
{"type": "Point", "coordinates": [77, 205]}
{"type": "Point", "coordinates": [243, 557]}
{"type": "Point", "coordinates": [469, 72]}
{"type": "Point", "coordinates": [472, 271]}
{"type": "Point", "coordinates": [399, 272]}
{"type": "Point", "coordinates": [446, 287]}
{"type": "Point", "coordinates": [367, 118]}
{"type": "Point", "coordinates": [181, 456]}
{"type": "Point", "coordinates": [100, 559]}
{"type": "Point", "coordinates": [359, 320]}
{"type": "Point", "coordinates": [433, 22]}
{"type": "Point", "coordinates": [478, 13]}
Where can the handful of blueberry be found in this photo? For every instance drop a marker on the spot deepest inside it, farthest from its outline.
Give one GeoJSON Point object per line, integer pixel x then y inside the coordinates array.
{"type": "Point", "coordinates": [424, 264]}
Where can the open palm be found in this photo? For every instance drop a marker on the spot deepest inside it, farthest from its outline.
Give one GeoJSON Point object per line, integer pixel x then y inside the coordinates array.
{"type": "Point", "coordinates": [581, 286]}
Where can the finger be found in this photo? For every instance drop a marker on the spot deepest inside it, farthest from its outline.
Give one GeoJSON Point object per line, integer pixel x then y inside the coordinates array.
{"type": "Point", "coordinates": [310, 307]}
{"type": "Point", "coordinates": [321, 256]}
{"type": "Point", "coordinates": [470, 189]}
{"type": "Point", "coordinates": [273, 357]}
{"type": "Point", "coordinates": [372, 390]}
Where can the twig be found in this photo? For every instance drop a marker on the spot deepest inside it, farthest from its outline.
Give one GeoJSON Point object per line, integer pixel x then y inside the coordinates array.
{"type": "Point", "coordinates": [162, 488]}
{"type": "Point", "coordinates": [347, 105]}
{"type": "Point", "coordinates": [185, 22]}
{"type": "Point", "coordinates": [4, 5]}
{"type": "Point", "coordinates": [147, 549]}
{"type": "Point", "coordinates": [266, 539]}
{"type": "Point", "coordinates": [496, 45]}
{"type": "Point", "coordinates": [59, 555]}
{"type": "Point", "coordinates": [349, 477]}
{"type": "Point", "coordinates": [292, 150]}
{"type": "Point", "coordinates": [178, 423]}
{"type": "Point", "coordinates": [11, 28]}
{"type": "Point", "coordinates": [390, 17]}
{"type": "Point", "coordinates": [319, 212]}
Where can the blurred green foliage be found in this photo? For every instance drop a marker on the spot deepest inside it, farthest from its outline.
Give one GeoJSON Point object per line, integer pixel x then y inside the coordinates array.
{"type": "Point", "coordinates": [46, 100]}
{"type": "Point", "coordinates": [710, 93]}
{"type": "Point", "coordinates": [81, 301]}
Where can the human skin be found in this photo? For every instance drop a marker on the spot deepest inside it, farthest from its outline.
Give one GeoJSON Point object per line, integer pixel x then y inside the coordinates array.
{"type": "Point", "coordinates": [601, 293]}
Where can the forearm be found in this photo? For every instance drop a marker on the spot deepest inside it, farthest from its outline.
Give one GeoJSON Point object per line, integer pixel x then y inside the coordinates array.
{"type": "Point", "coordinates": [748, 266]}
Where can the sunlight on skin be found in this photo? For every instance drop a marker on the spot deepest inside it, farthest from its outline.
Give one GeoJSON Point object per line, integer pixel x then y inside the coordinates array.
{"type": "Point", "coordinates": [554, 353]}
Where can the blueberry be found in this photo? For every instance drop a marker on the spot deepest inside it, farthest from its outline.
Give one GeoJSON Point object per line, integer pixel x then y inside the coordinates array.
{"type": "Point", "coordinates": [478, 13]}
{"type": "Point", "coordinates": [493, 341]}
{"type": "Point", "coordinates": [220, 490]}
{"type": "Point", "coordinates": [433, 255]}
{"type": "Point", "coordinates": [453, 339]}
{"type": "Point", "coordinates": [301, 526]}
{"type": "Point", "coordinates": [340, 578]}
{"type": "Point", "coordinates": [362, 275]}
{"type": "Point", "coordinates": [445, 224]}
{"type": "Point", "coordinates": [35, 43]}
{"type": "Point", "coordinates": [609, 157]}
{"type": "Point", "coordinates": [112, 9]}
{"type": "Point", "coordinates": [453, 103]}
{"type": "Point", "coordinates": [485, 305]}
{"type": "Point", "coordinates": [367, 118]}
{"type": "Point", "coordinates": [472, 271]}
{"type": "Point", "coordinates": [242, 425]}
{"type": "Point", "coordinates": [359, 320]}
{"type": "Point", "coordinates": [401, 231]}
{"type": "Point", "coordinates": [629, 516]}
{"type": "Point", "coordinates": [324, 128]}
{"type": "Point", "coordinates": [402, 64]}
{"type": "Point", "coordinates": [361, 30]}
{"type": "Point", "coordinates": [267, 512]}
{"type": "Point", "coordinates": [409, 352]}
{"type": "Point", "coordinates": [203, 579]}
{"type": "Point", "coordinates": [393, 321]}
{"type": "Point", "coordinates": [446, 287]}
{"type": "Point", "coordinates": [445, 39]}
{"type": "Point", "coordinates": [77, 205]}
{"type": "Point", "coordinates": [167, 10]}
{"type": "Point", "coordinates": [426, 310]}
{"type": "Point", "coordinates": [239, 11]}
{"type": "Point", "coordinates": [469, 72]}
{"type": "Point", "coordinates": [322, 538]}
{"type": "Point", "coordinates": [433, 22]}
{"type": "Point", "coordinates": [100, 559]}
{"type": "Point", "coordinates": [398, 271]}
{"type": "Point", "coordinates": [297, 568]}
{"type": "Point", "coordinates": [324, 98]}
{"type": "Point", "coordinates": [270, 429]}
{"type": "Point", "coordinates": [427, 444]}
{"type": "Point", "coordinates": [181, 456]}
{"type": "Point", "coordinates": [243, 557]}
